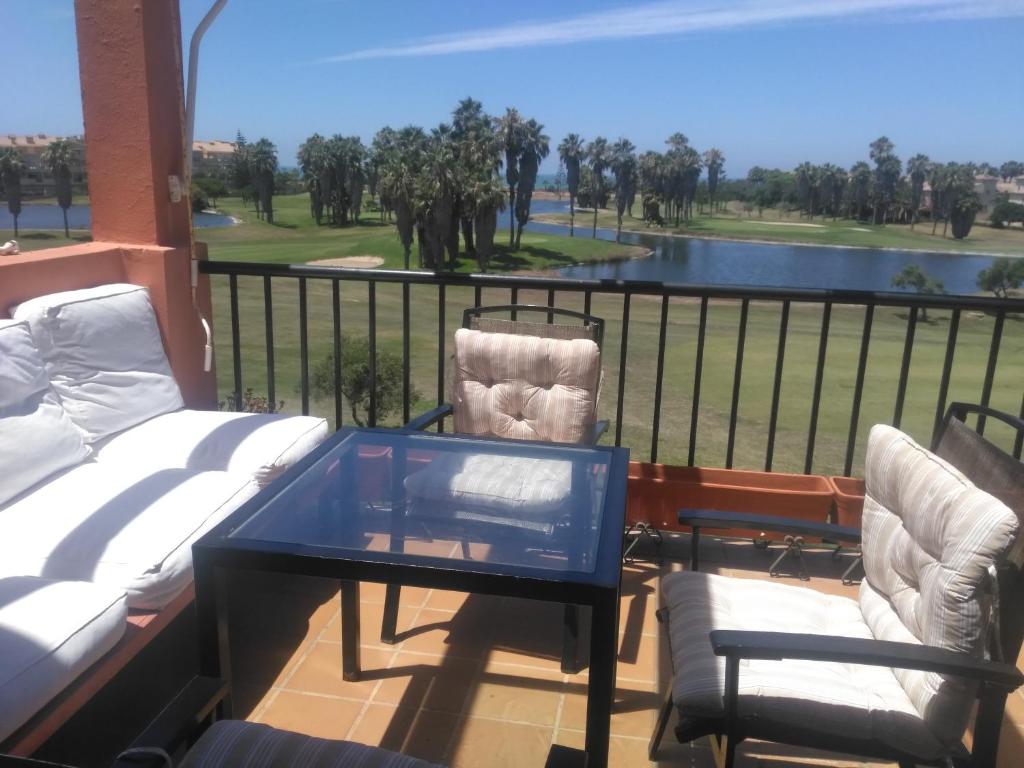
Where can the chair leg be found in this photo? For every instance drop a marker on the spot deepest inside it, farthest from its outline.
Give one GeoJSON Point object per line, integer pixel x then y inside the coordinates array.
{"type": "Point", "coordinates": [389, 625]}
{"type": "Point", "coordinates": [571, 640]}
{"type": "Point", "coordinates": [659, 728]}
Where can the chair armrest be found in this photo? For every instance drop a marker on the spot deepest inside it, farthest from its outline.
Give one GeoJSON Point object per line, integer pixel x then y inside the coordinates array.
{"type": "Point", "coordinates": [713, 518]}
{"type": "Point", "coordinates": [597, 429]}
{"type": "Point", "coordinates": [740, 644]}
{"type": "Point", "coordinates": [424, 420]}
{"type": "Point", "coordinates": [180, 722]}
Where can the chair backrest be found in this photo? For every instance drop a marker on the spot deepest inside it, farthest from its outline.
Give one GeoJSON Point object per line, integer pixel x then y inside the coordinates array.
{"type": "Point", "coordinates": [526, 379]}
{"type": "Point", "coordinates": [1001, 474]}
{"type": "Point", "coordinates": [586, 327]}
{"type": "Point", "coordinates": [930, 537]}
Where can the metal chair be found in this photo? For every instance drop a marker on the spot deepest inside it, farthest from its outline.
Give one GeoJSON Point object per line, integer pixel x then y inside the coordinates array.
{"type": "Point", "coordinates": [924, 676]}
{"type": "Point", "coordinates": [471, 394]}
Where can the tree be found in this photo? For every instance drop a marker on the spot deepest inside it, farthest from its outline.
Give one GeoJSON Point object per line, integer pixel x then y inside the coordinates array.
{"type": "Point", "coordinates": [833, 185]}
{"type": "Point", "coordinates": [714, 161]}
{"type": "Point", "coordinates": [571, 152]}
{"type": "Point", "coordinates": [262, 167]}
{"type": "Point", "coordinates": [355, 380]}
{"type": "Point", "coordinates": [240, 165]}
{"type": "Point", "coordinates": [510, 130]}
{"type": "Point", "coordinates": [212, 188]}
{"type": "Point", "coordinates": [915, 278]}
{"type": "Point", "coordinates": [624, 166]}
{"type": "Point", "coordinates": [598, 157]}
{"type": "Point", "coordinates": [1003, 276]}
{"type": "Point", "coordinates": [11, 168]}
{"type": "Point", "coordinates": [1005, 213]}
{"type": "Point", "coordinates": [57, 158]}
{"type": "Point", "coordinates": [918, 168]}
{"type": "Point", "coordinates": [1010, 170]}
{"type": "Point", "coordinates": [488, 200]}
{"type": "Point", "coordinates": [534, 148]}
{"type": "Point", "coordinates": [401, 164]}
{"type": "Point", "coordinates": [808, 181]}
{"type": "Point", "coordinates": [477, 156]}
{"type": "Point", "coordinates": [559, 179]}
{"type": "Point", "coordinates": [313, 159]}
{"type": "Point", "coordinates": [860, 187]}
{"type": "Point", "coordinates": [887, 174]}
{"type": "Point", "coordinates": [963, 201]}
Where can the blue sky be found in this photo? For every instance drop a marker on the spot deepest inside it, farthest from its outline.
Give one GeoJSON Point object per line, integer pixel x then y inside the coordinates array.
{"type": "Point", "coordinates": [770, 82]}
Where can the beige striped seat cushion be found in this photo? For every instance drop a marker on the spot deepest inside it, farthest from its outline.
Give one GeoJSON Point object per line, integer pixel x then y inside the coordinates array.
{"type": "Point", "coordinates": [840, 699]}
{"type": "Point", "coordinates": [929, 539]}
{"type": "Point", "coordinates": [237, 744]}
{"type": "Point", "coordinates": [525, 387]}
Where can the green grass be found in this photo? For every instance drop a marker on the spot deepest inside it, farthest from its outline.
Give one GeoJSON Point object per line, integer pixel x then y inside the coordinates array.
{"type": "Point", "coordinates": [780, 227]}
{"type": "Point", "coordinates": [296, 239]}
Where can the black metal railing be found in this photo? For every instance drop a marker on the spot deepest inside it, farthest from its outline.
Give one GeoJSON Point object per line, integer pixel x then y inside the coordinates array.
{"type": "Point", "coordinates": [513, 289]}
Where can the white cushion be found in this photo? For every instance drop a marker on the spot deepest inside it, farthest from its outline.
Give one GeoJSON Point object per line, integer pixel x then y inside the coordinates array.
{"type": "Point", "coordinates": [261, 445]}
{"type": "Point", "coordinates": [50, 632]}
{"type": "Point", "coordinates": [847, 700]}
{"type": "Point", "coordinates": [126, 528]}
{"type": "Point", "coordinates": [929, 537]}
{"type": "Point", "coordinates": [525, 387]}
{"type": "Point", "coordinates": [104, 356]}
{"type": "Point", "coordinates": [36, 437]}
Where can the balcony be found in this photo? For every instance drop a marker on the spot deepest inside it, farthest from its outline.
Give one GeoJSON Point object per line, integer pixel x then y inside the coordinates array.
{"type": "Point", "coordinates": [779, 381]}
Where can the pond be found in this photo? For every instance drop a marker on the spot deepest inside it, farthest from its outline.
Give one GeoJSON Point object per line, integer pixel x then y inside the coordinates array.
{"type": "Point", "coordinates": [723, 262]}
{"type": "Point", "coordinates": [49, 217]}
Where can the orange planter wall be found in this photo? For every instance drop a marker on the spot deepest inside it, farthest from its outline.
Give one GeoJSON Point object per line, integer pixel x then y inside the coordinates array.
{"type": "Point", "coordinates": [657, 492]}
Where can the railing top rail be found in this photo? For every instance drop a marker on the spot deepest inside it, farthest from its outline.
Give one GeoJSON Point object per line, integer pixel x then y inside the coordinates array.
{"type": "Point", "coordinates": [633, 287]}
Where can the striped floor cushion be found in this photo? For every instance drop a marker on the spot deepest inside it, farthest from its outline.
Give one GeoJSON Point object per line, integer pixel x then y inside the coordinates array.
{"type": "Point", "coordinates": [233, 743]}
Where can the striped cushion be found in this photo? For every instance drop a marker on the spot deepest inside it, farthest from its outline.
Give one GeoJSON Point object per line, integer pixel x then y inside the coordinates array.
{"type": "Point", "coordinates": [525, 387]}
{"type": "Point", "coordinates": [840, 699]}
{"type": "Point", "coordinates": [929, 537]}
{"type": "Point", "coordinates": [231, 743]}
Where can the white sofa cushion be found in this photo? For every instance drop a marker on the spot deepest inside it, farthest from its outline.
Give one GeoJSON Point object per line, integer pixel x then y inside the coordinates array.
{"type": "Point", "coordinates": [104, 356]}
{"type": "Point", "coordinates": [853, 701]}
{"type": "Point", "coordinates": [50, 632]}
{"type": "Point", "coordinates": [123, 527]}
{"type": "Point", "coordinates": [36, 437]}
{"type": "Point", "coordinates": [261, 445]}
{"type": "Point", "coordinates": [525, 387]}
{"type": "Point", "coordinates": [929, 537]}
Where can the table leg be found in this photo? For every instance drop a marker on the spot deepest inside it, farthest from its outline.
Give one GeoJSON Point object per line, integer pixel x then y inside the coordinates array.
{"type": "Point", "coordinates": [601, 692]}
{"type": "Point", "coordinates": [350, 630]}
{"type": "Point", "coordinates": [212, 626]}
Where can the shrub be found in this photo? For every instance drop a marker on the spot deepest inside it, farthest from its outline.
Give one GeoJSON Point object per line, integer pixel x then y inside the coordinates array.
{"type": "Point", "coordinates": [355, 380]}
{"type": "Point", "coordinates": [250, 403]}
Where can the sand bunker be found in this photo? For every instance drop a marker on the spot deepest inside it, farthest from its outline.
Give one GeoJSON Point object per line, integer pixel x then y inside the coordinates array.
{"type": "Point", "coordinates": [352, 262]}
{"type": "Point", "coordinates": [785, 224]}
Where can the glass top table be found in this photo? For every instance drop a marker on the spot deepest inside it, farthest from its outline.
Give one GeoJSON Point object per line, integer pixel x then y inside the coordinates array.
{"type": "Point", "coordinates": [537, 520]}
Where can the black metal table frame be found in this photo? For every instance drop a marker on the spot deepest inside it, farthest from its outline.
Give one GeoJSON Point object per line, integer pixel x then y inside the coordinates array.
{"type": "Point", "coordinates": [215, 553]}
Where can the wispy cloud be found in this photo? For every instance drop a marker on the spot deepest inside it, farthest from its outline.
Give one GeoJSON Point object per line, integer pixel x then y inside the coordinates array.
{"type": "Point", "coordinates": [675, 18]}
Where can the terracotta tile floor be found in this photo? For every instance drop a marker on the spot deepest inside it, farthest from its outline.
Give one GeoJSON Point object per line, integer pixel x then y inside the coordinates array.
{"type": "Point", "coordinates": [475, 680]}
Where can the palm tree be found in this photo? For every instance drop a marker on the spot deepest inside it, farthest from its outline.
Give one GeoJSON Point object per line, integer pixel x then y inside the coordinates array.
{"type": "Point", "coordinates": [312, 156]}
{"type": "Point", "coordinates": [477, 149]}
{"type": "Point", "coordinates": [624, 166]}
{"type": "Point", "coordinates": [401, 166]}
{"type": "Point", "coordinates": [917, 167]}
{"type": "Point", "coordinates": [714, 160]}
{"type": "Point", "coordinates": [510, 130]}
{"type": "Point", "coordinates": [937, 181]}
{"type": "Point", "coordinates": [262, 167]}
{"type": "Point", "coordinates": [598, 157]}
{"type": "Point", "coordinates": [571, 153]}
{"type": "Point", "coordinates": [57, 157]}
{"type": "Point", "coordinates": [860, 184]}
{"type": "Point", "coordinates": [488, 199]}
{"type": "Point", "coordinates": [887, 174]}
{"type": "Point", "coordinates": [11, 167]}
{"type": "Point", "coordinates": [535, 148]}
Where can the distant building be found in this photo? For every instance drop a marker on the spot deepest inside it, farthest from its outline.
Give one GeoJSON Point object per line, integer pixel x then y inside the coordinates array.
{"type": "Point", "coordinates": [209, 158]}
{"type": "Point", "coordinates": [36, 179]}
{"type": "Point", "coordinates": [212, 158]}
{"type": "Point", "coordinates": [988, 188]}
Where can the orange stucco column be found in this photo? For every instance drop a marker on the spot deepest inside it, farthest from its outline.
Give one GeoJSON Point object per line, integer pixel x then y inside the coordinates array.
{"type": "Point", "coordinates": [129, 55]}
